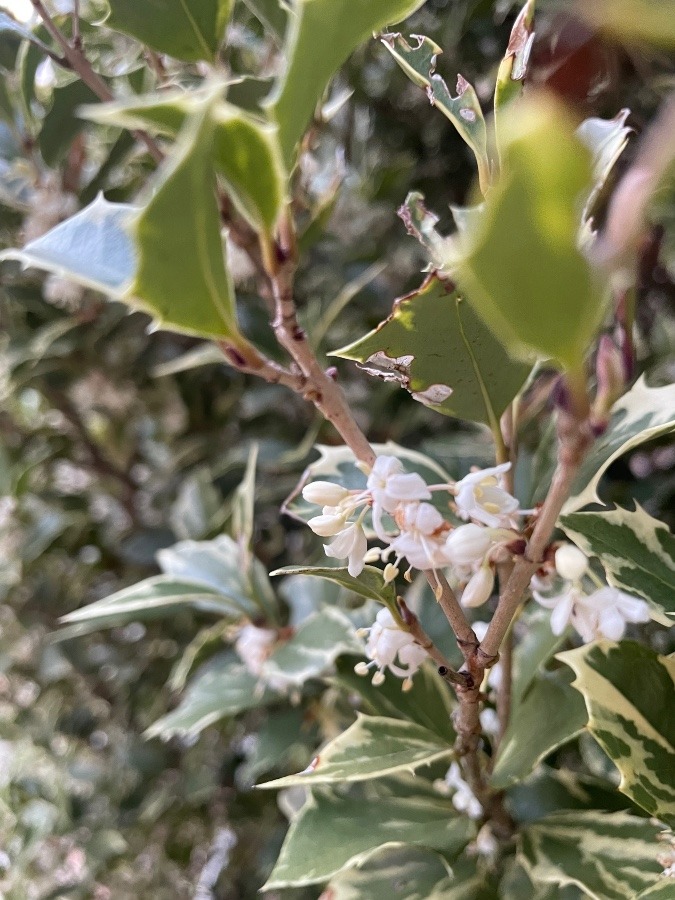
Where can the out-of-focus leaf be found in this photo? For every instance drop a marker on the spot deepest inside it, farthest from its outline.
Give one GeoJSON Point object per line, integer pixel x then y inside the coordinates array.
{"type": "Point", "coordinates": [663, 890]}
{"type": "Point", "coordinates": [418, 61]}
{"type": "Point", "coordinates": [641, 415]}
{"type": "Point", "coordinates": [549, 791]}
{"type": "Point", "coordinates": [531, 653]}
{"type": "Point", "coordinates": [198, 509]}
{"type": "Point", "coordinates": [637, 551]}
{"type": "Point", "coordinates": [606, 139]}
{"type": "Point", "coordinates": [203, 355]}
{"type": "Point", "coordinates": [245, 148]}
{"type": "Point", "coordinates": [521, 265]}
{"type": "Point", "coordinates": [549, 716]}
{"type": "Point", "coordinates": [633, 21]}
{"type": "Point", "coordinates": [590, 849]}
{"type": "Point", "coordinates": [428, 703]}
{"type": "Point", "coordinates": [60, 126]}
{"type": "Point", "coordinates": [243, 503]}
{"type": "Point", "coordinates": [435, 346]}
{"type": "Point", "coordinates": [191, 31]}
{"type": "Point", "coordinates": [312, 650]}
{"type": "Point", "coordinates": [370, 748]}
{"type": "Point", "coordinates": [320, 36]}
{"type": "Point", "coordinates": [221, 689]}
{"type": "Point", "coordinates": [369, 584]}
{"type": "Point", "coordinates": [11, 26]}
{"type": "Point", "coordinates": [333, 832]}
{"type": "Point", "coordinates": [630, 695]}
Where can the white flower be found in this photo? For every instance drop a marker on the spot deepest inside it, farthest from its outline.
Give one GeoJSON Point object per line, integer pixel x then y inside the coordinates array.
{"type": "Point", "coordinates": [486, 843]}
{"type": "Point", "coordinates": [480, 496]}
{"type": "Point", "coordinates": [602, 614]}
{"type": "Point", "coordinates": [570, 563]}
{"type": "Point", "coordinates": [489, 721]}
{"type": "Point", "coordinates": [390, 485]}
{"type": "Point", "coordinates": [254, 645]}
{"type": "Point", "coordinates": [463, 798]}
{"type": "Point", "coordinates": [324, 493]}
{"type": "Point", "coordinates": [386, 643]}
{"type": "Point", "coordinates": [467, 545]}
{"type": "Point", "coordinates": [422, 537]}
{"type": "Point", "coordinates": [350, 544]}
{"type": "Point", "coordinates": [479, 588]}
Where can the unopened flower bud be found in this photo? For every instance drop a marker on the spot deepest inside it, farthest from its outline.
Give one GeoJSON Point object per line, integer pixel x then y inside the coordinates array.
{"type": "Point", "coordinates": [324, 493]}
{"type": "Point", "coordinates": [467, 544]}
{"type": "Point", "coordinates": [570, 563]}
{"type": "Point", "coordinates": [479, 588]}
{"type": "Point", "coordinates": [327, 526]}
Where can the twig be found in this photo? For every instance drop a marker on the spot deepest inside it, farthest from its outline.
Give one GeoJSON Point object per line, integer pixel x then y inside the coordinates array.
{"type": "Point", "coordinates": [75, 16]}
{"type": "Point", "coordinates": [505, 685]}
{"type": "Point", "coordinates": [414, 627]}
{"type": "Point", "coordinates": [255, 363]}
{"type": "Point", "coordinates": [447, 600]}
{"type": "Point", "coordinates": [79, 63]}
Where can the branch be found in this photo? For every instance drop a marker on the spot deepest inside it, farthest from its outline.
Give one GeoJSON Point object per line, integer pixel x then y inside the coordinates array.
{"type": "Point", "coordinates": [447, 600]}
{"type": "Point", "coordinates": [78, 62]}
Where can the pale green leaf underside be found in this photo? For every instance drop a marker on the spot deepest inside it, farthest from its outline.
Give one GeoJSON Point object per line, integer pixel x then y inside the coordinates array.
{"type": "Point", "coordinates": [246, 150]}
{"type": "Point", "coordinates": [418, 61]}
{"type": "Point", "coordinates": [186, 29]}
{"type": "Point", "coordinates": [370, 748]}
{"type": "Point", "coordinates": [333, 832]}
{"type": "Point", "coordinates": [369, 584]}
{"type": "Point", "coordinates": [321, 35]}
{"type": "Point", "coordinates": [641, 415]}
{"type": "Point", "coordinates": [521, 266]}
{"type": "Point", "coordinates": [550, 715]}
{"type": "Point", "coordinates": [637, 551]}
{"type": "Point", "coordinates": [435, 346]}
{"type": "Point", "coordinates": [224, 689]}
{"type": "Point", "coordinates": [606, 139]}
{"type": "Point", "coordinates": [630, 697]}
{"type": "Point", "coordinates": [609, 856]}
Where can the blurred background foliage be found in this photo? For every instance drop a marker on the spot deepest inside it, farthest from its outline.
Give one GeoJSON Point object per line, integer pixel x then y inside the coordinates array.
{"type": "Point", "coordinates": [116, 442]}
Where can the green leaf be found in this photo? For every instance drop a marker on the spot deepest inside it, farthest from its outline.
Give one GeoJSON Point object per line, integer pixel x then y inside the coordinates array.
{"type": "Point", "coordinates": [637, 551]}
{"type": "Point", "coordinates": [245, 147]}
{"type": "Point", "coordinates": [429, 702]}
{"type": "Point", "coordinates": [661, 891]}
{"type": "Point", "coordinates": [633, 21]}
{"type": "Point", "coordinates": [181, 277]}
{"type": "Point", "coordinates": [549, 716]}
{"type": "Point", "coordinates": [531, 653]}
{"type": "Point", "coordinates": [60, 126]}
{"type": "Point", "coordinates": [641, 415]}
{"type": "Point", "coordinates": [333, 832]}
{"type": "Point", "coordinates": [630, 698]}
{"type": "Point", "coordinates": [418, 61]}
{"type": "Point", "coordinates": [513, 67]}
{"type": "Point", "coordinates": [521, 265]}
{"type": "Point", "coordinates": [321, 35]}
{"type": "Point", "coordinates": [159, 595]}
{"type": "Point", "coordinates": [336, 464]}
{"type": "Point", "coordinates": [11, 26]}
{"type": "Point", "coordinates": [609, 856]}
{"type": "Point", "coordinates": [312, 650]}
{"type": "Point", "coordinates": [191, 30]}
{"type": "Point", "coordinates": [405, 872]}
{"type": "Point", "coordinates": [93, 248]}
{"type": "Point", "coordinates": [435, 346]}
{"type": "Point", "coordinates": [221, 689]}
{"type": "Point", "coordinates": [606, 139]}
{"type": "Point", "coordinates": [369, 584]}
{"type": "Point", "coordinates": [370, 748]}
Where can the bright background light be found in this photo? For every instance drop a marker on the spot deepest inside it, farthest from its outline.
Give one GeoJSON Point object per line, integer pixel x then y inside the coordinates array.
{"type": "Point", "coordinates": [20, 9]}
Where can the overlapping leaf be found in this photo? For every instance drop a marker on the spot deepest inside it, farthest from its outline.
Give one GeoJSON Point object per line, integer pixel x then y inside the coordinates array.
{"type": "Point", "coordinates": [320, 37]}
{"type": "Point", "coordinates": [513, 67]}
{"type": "Point", "coordinates": [609, 856]}
{"type": "Point", "coordinates": [641, 415]}
{"type": "Point", "coordinates": [630, 696]}
{"type": "Point", "coordinates": [637, 551]}
{"type": "Point", "coordinates": [335, 831]}
{"type": "Point", "coordinates": [418, 61]}
{"type": "Point", "coordinates": [521, 265]}
{"type": "Point", "coordinates": [606, 139]}
{"type": "Point", "coordinates": [191, 30]}
{"type": "Point", "coordinates": [436, 347]}
{"type": "Point", "coordinates": [633, 21]}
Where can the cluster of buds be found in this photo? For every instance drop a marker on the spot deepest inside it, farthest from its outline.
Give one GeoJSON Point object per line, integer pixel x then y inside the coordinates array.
{"type": "Point", "coordinates": [602, 612]}
{"type": "Point", "coordinates": [414, 529]}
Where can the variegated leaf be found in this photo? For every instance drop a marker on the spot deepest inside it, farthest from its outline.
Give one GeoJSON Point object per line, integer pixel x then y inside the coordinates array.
{"type": "Point", "coordinates": [641, 415]}
{"type": "Point", "coordinates": [610, 856]}
{"type": "Point", "coordinates": [370, 748]}
{"type": "Point", "coordinates": [637, 551]}
{"type": "Point", "coordinates": [630, 697]}
{"type": "Point", "coordinates": [418, 61]}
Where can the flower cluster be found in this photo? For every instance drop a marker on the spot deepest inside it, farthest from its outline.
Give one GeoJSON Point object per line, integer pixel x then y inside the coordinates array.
{"type": "Point", "coordinates": [413, 528]}
{"type": "Point", "coordinates": [387, 643]}
{"type": "Point", "coordinates": [602, 613]}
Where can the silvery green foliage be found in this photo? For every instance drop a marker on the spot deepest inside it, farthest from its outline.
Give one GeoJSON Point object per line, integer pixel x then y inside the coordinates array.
{"type": "Point", "coordinates": [320, 681]}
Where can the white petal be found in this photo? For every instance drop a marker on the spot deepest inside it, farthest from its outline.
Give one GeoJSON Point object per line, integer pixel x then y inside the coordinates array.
{"type": "Point", "coordinates": [409, 486]}
{"type": "Point", "coordinates": [479, 588]}
{"type": "Point", "coordinates": [612, 624]}
{"type": "Point", "coordinates": [326, 526]}
{"type": "Point", "coordinates": [561, 613]}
